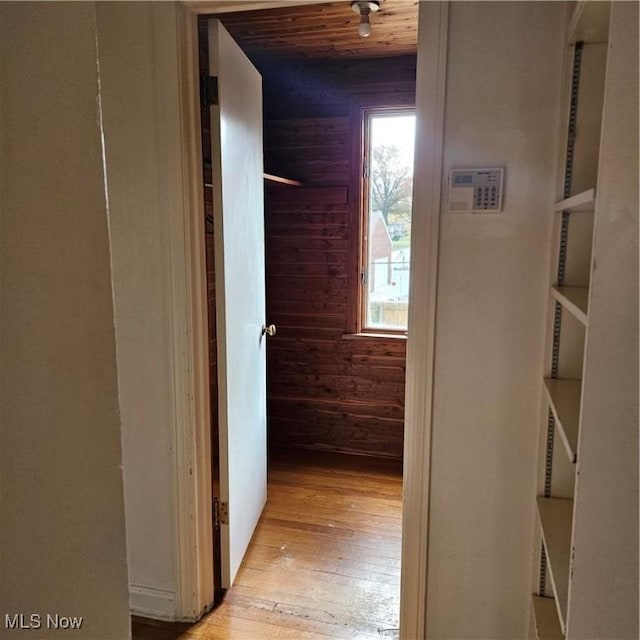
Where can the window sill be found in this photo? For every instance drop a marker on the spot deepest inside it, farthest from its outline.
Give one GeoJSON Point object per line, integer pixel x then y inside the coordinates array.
{"type": "Point", "coordinates": [374, 336]}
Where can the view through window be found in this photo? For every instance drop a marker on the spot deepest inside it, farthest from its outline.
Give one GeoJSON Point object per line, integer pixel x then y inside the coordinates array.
{"type": "Point", "coordinates": [388, 199]}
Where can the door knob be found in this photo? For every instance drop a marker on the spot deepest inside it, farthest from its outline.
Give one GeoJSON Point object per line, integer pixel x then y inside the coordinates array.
{"type": "Point", "coordinates": [270, 330]}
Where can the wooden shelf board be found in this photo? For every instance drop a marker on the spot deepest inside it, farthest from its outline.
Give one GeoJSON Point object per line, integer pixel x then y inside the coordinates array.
{"type": "Point", "coordinates": [589, 22]}
{"type": "Point", "coordinates": [575, 300]}
{"type": "Point", "coordinates": [584, 201]}
{"type": "Point", "coordinates": [315, 195]}
{"type": "Point", "coordinates": [272, 178]}
{"type": "Point", "coordinates": [555, 516]}
{"type": "Point", "coordinates": [546, 617]}
{"type": "Point", "coordinates": [564, 399]}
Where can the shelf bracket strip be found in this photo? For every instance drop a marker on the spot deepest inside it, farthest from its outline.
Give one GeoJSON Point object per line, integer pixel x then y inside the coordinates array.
{"type": "Point", "coordinates": [557, 311]}
{"type": "Point", "coordinates": [573, 119]}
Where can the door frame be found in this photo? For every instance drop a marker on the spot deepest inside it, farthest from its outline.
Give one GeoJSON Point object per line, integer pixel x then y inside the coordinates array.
{"type": "Point", "coordinates": [433, 26]}
{"type": "Point", "coordinates": [192, 442]}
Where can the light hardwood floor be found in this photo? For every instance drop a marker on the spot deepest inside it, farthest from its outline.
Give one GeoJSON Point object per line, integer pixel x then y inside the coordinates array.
{"type": "Point", "coordinates": [324, 561]}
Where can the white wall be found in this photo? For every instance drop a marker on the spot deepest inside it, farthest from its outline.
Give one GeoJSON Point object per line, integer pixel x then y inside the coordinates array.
{"type": "Point", "coordinates": [139, 81]}
{"type": "Point", "coordinates": [62, 533]}
{"type": "Point", "coordinates": [502, 109]}
{"type": "Point", "coordinates": [603, 597]}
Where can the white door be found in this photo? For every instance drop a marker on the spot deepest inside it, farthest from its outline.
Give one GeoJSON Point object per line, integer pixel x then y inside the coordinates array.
{"type": "Point", "coordinates": [236, 139]}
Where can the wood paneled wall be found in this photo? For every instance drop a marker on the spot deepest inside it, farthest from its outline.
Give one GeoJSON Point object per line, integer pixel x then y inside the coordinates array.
{"type": "Point", "coordinates": [325, 390]}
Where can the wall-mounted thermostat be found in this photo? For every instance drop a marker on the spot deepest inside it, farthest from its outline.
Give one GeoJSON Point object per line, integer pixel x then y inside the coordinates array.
{"type": "Point", "coordinates": [476, 190]}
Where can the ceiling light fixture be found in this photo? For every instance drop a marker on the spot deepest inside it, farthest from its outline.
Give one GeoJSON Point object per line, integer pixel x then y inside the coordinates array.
{"type": "Point", "coordinates": [365, 9]}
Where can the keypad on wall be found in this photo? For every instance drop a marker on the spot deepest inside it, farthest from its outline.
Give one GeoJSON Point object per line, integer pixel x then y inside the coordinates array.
{"type": "Point", "coordinates": [476, 190]}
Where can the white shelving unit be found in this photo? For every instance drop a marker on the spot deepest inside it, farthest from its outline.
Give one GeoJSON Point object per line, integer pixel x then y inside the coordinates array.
{"type": "Point", "coordinates": [587, 575]}
{"type": "Point", "coordinates": [569, 300]}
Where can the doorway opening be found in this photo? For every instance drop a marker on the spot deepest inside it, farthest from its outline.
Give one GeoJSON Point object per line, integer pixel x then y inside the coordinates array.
{"type": "Point", "coordinates": [326, 555]}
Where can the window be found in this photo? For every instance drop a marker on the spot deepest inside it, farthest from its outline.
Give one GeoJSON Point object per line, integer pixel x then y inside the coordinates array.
{"type": "Point", "coordinates": [387, 188]}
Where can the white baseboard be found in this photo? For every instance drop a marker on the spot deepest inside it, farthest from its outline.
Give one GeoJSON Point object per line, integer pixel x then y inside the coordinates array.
{"type": "Point", "coordinates": [147, 602]}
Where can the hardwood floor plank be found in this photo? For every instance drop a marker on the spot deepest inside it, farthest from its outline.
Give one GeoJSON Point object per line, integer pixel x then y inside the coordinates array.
{"type": "Point", "coordinates": [325, 515]}
{"type": "Point", "coordinates": [327, 618]}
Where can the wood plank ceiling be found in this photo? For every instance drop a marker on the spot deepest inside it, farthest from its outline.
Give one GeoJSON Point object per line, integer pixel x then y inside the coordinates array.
{"type": "Point", "coordinates": [325, 31]}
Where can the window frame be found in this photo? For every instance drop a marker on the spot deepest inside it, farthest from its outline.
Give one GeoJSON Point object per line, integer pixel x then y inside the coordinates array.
{"type": "Point", "coordinates": [360, 112]}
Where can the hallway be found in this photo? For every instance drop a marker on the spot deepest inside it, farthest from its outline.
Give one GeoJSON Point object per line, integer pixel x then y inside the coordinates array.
{"type": "Point", "coordinates": [324, 561]}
